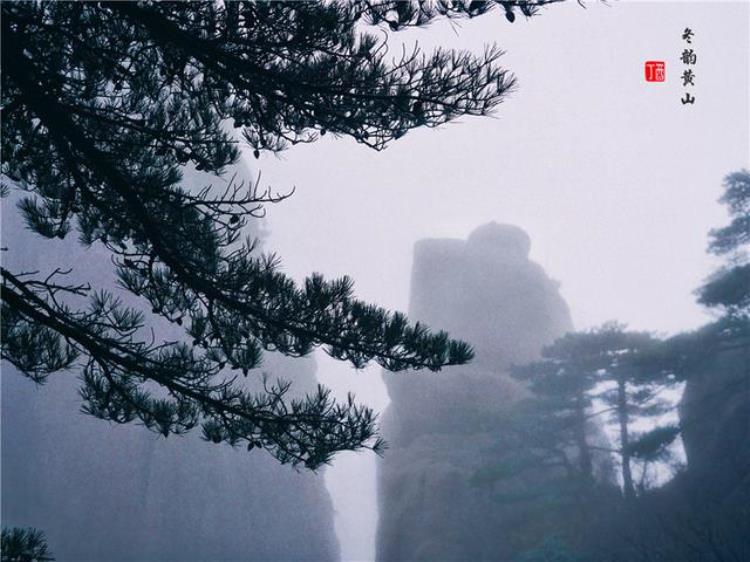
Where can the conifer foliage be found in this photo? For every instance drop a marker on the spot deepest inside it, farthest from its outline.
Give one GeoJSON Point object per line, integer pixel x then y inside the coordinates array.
{"type": "Point", "coordinates": [104, 102]}
{"type": "Point", "coordinates": [24, 545]}
{"type": "Point", "coordinates": [608, 372]}
{"type": "Point", "coordinates": [729, 288]}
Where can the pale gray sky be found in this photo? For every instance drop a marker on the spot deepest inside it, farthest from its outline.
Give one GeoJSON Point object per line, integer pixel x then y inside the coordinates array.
{"type": "Point", "coordinates": [614, 180]}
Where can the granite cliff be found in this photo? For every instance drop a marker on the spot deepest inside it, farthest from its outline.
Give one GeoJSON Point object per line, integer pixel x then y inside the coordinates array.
{"type": "Point", "coordinates": [440, 426]}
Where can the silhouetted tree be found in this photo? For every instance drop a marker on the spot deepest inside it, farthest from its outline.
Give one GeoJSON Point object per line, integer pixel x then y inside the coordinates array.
{"type": "Point", "coordinates": [729, 288]}
{"type": "Point", "coordinates": [24, 545]}
{"type": "Point", "coordinates": [611, 370]}
{"type": "Point", "coordinates": [628, 375]}
{"type": "Point", "coordinates": [703, 514]}
{"type": "Point", "coordinates": [102, 102]}
{"type": "Point", "coordinates": [561, 385]}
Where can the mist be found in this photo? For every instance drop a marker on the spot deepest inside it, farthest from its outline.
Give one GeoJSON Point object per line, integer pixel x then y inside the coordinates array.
{"type": "Point", "coordinates": [586, 198]}
{"type": "Point", "coordinates": [615, 182]}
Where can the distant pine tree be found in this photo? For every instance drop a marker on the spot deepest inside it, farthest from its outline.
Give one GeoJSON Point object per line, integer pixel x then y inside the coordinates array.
{"type": "Point", "coordinates": [24, 545]}
{"type": "Point", "coordinates": [726, 291]}
{"type": "Point", "coordinates": [613, 370]}
{"type": "Point", "coordinates": [729, 288]}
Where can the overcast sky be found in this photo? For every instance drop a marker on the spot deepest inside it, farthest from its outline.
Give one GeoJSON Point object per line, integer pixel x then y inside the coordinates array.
{"type": "Point", "coordinates": [613, 178]}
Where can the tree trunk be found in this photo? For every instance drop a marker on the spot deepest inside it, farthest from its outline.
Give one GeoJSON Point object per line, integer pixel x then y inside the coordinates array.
{"type": "Point", "coordinates": [584, 453]}
{"type": "Point", "coordinates": [622, 416]}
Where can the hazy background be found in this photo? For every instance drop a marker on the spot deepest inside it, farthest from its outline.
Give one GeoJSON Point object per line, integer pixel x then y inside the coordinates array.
{"type": "Point", "coordinates": [613, 178]}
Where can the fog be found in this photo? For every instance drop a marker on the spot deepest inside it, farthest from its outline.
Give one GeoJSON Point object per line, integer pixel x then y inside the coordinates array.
{"type": "Point", "coordinates": [614, 180]}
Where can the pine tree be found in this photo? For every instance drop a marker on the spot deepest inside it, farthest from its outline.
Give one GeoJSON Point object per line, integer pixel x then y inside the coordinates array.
{"type": "Point", "coordinates": [729, 288]}
{"type": "Point", "coordinates": [713, 362]}
{"type": "Point", "coordinates": [561, 385]}
{"type": "Point", "coordinates": [633, 387]}
{"type": "Point", "coordinates": [726, 291]}
{"type": "Point", "coordinates": [104, 102]}
{"type": "Point", "coordinates": [610, 371]}
{"type": "Point", "coordinates": [24, 545]}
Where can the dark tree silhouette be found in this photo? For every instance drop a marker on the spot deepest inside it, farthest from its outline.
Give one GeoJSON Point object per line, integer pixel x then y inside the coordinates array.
{"type": "Point", "coordinates": [102, 103]}
{"type": "Point", "coordinates": [729, 288]}
{"type": "Point", "coordinates": [616, 368]}
{"type": "Point", "coordinates": [561, 384]}
{"type": "Point", "coordinates": [703, 513]}
{"type": "Point", "coordinates": [24, 545]}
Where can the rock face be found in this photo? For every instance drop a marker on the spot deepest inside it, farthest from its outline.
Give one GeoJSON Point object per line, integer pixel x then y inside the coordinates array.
{"type": "Point", "coordinates": [703, 513]}
{"type": "Point", "coordinates": [118, 493]}
{"type": "Point", "coordinates": [715, 412]}
{"type": "Point", "coordinates": [486, 291]}
{"type": "Point", "coordinates": [103, 492]}
{"type": "Point", "coordinates": [715, 415]}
